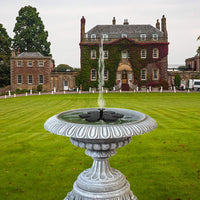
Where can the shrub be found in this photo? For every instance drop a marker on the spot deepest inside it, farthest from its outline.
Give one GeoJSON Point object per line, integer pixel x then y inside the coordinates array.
{"type": "Point", "coordinates": [39, 88]}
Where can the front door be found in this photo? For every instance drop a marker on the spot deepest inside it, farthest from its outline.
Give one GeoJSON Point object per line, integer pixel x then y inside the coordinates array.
{"type": "Point", "coordinates": [66, 87]}
{"type": "Point", "coordinates": [124, 77]}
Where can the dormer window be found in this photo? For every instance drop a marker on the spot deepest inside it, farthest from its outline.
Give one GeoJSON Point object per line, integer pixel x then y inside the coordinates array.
{"type": "Point", "coordinates": [124, 35]}
{"type": "Point", "coordinates": [93, 36]}
{"type": "Point", "coordinates": [105, 36]}
{"type": "Point", "coordinates": [155, 36]}
{"type": "Point", "coordinates": [143, 36]}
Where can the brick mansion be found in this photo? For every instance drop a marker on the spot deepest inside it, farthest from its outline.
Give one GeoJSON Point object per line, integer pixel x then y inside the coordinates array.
{"type": "Point", "coordinates": [134, 55]}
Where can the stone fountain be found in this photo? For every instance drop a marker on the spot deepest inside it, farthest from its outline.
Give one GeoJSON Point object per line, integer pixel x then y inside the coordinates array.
{"type": "Point", "coordinates": [100, 132]}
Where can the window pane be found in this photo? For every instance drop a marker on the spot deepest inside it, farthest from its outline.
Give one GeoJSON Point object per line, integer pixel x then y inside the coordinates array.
{"type": "Point", "coordinates": [93, 54]}
{"type": "Point", "coordinates": [30, 63]}
{"type": "Point", "coordinates": [124, 54]}
{"type": "Point", "coordinates": [41, 79]}
{"type": "Point", "coordinates": [41, 63]}
{"type": "Point", "coordinates": [130, 76]}
{"type": "Point", "coordinates": [19, 79]}
{"type": "Point", "coordinates": [118, 76]}
{"type": "Point", "coordinates": [155, 53]}
{"type": "Point", "coordinates": [155, 36]}
{"type": "Point", "coordinates": [105, 54]}
{"type": "Point", "coordinates": [143, 53]}
{"type": "Point", "coordinates": [124, 35]}
{"type": "Point", "coordinates": [19, 63]}
{"type": "Point", "coordinates": [105, 36]}
{"type": "Point", "coordinates": [105, 74]}
{"type": "Point", "coordinates": [155, 74]}
{"type": "Point", "coordinates": [143, 74]}
{"type": "Point", "coordinates": [93, 74]}
{"type": "Point", "coordinates": [142, 36]}
{"type": "Point", "coordinates": [30, 79]}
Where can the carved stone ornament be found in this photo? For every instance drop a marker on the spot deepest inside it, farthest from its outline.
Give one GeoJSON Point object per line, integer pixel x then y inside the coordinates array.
{"type": "Point", "coordinates": [100, 141]}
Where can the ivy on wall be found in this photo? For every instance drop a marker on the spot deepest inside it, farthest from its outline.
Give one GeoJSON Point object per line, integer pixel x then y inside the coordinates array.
{"type": "Point", "coordinates": [114, 57]}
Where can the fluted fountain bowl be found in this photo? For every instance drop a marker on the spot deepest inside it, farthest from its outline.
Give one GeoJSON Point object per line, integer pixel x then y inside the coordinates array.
{"type": "Point", "coordinates": [100, 132]}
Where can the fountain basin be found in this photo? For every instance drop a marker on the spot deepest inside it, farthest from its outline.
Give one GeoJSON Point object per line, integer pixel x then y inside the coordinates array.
{"type": "Point", "coordinates": [100, 139]}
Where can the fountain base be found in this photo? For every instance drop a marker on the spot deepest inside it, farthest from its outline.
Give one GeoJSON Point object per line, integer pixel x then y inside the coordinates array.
{"type": "Point", "coordinates": [101, 181]}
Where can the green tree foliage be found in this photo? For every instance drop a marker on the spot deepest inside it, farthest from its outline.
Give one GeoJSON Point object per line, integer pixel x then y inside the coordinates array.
{"type": "Point", "coordinates": [182, 68]}
{"type": "Point", "coordinates": [29, 32]}
{"type": "Point", "coordinates": [63, 68]}
{"type": "Point", "coordinates": [177, 80]}
{"type": "Point", "coordinates": [5, 52]}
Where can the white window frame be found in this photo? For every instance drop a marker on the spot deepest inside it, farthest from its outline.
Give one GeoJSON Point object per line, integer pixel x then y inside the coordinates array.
{"type": "Point", "coordinates": [124, 54]}
{"type": "Point", "coordinates": [130, 77]}
{"type": "Point", "coordinates": [155, 53]}
{"type": "Point", "coordinates": [105, 54]}
{"type": "Point", "coordinates": [41, 63]}
{"type": "Point", "coordinates": [19, 80]}
{"type": "Point", "coordinates": [30, 82]}
{"type": "Point", "coordinates": [19, 65]}
{"type": "Point", "coordinates": [93, 36]}
{"type": "Point", "coordinates": [105, 75]}
{"type": "Point", "coordinates": [124, 35]}
{"type": "Point", "coordinates": [41, 82]}
{"type": "Point", "coordinates": [105, 36]}
{"type": "Point", "coordinates": [93, 77]}
{"type": "Point", "coordinates": [93, 54]}
{"type": "Point", "coordinates": [143, 37]}
{"type": "Point", "coordinates": [155, 37]}
{"type": "Point", "coordinates": [143, 53]}
{"type": "Point", "coordinates": [157, 74]}
{"type": "Point", "coordinates": [143, 74]}
{"type": "Point", "coordinates": [30, 63]}
{"type": "Point", "coordinates": [118, 76]}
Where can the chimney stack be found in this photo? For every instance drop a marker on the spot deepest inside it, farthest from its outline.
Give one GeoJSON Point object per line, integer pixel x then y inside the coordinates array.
{"type": "Point", "coordinates": [114, 21]}
{"type": "Point", "coordinates": [163, 26]}
{"type": "Point", "coordinates": [82, 27]}
{"type": "Point", "coordinates": [158, 24]}
{"type": "Point", "coordinates": [126, 22]}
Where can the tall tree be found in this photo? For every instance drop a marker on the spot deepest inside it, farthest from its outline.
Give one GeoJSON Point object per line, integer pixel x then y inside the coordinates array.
{"type": "Point", "coordinates": [5, 52]}
{"type": "Point", "coordinates": [29, 32]}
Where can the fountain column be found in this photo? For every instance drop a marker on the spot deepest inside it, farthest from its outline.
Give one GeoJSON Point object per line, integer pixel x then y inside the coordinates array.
{"type": "Point", "coordinates": [101, 181]}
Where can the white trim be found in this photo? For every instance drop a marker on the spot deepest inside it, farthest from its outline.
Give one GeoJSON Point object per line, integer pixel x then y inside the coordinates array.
{"type": "Point", "coordinates": [143, 53]}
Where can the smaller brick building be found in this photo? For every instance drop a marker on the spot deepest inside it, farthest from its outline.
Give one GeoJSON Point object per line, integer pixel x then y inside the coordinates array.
{"type": "Point", "coordinates": [193, 64]}
{"type": "Point", "coordinates": [30, 69]}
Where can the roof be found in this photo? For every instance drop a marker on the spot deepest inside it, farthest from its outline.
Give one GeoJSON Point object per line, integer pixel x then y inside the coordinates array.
{"type": "Point", "coordinates": [132, 31]}
{"type": "Point", "coordinates": [30, 54]}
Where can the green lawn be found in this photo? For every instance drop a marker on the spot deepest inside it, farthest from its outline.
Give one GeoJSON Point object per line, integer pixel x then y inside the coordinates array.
{"type": "Point", "coordinates": [161, 165]}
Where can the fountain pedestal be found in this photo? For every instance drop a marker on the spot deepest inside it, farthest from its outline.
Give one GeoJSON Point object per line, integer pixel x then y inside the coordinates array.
{"type": "Point", "coordinates": [100, 141]}
{"type": "Point", "coordinates": [101, 181]}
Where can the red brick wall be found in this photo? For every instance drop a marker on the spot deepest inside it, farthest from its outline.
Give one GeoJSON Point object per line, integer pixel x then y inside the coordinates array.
{"type": "Point", "coordinates": [35, 71]}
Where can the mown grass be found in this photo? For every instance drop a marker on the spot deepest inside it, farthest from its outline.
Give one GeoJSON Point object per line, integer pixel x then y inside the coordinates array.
{"type": "Point", "coordinates": [161, 165]}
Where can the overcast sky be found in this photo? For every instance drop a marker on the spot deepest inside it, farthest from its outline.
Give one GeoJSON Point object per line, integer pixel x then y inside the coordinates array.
{"type": "Point", "coordinates": [62, 21]}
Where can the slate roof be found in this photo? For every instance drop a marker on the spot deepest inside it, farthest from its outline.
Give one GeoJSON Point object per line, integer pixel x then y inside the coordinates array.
{"type": "Point", "coordinates": [132, 31]}
{"type": "Point", "coordinates": [30, 55]}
